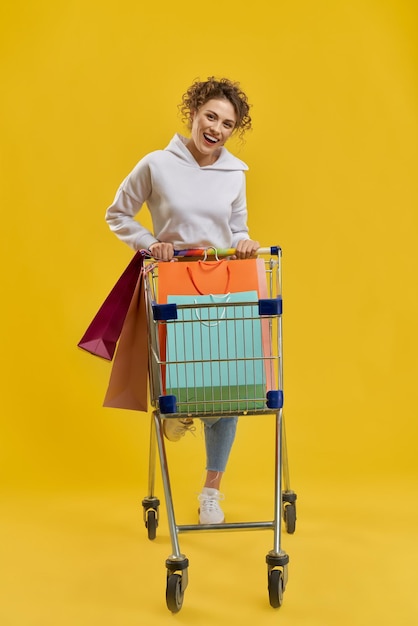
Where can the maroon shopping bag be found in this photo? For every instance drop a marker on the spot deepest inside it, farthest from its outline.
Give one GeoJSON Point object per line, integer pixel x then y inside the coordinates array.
{"type": "Point", "coordinates": [104, 331]}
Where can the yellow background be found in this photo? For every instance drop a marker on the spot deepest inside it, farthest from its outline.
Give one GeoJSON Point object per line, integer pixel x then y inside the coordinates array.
{"type": "Point", "coordinates": [87, 89]}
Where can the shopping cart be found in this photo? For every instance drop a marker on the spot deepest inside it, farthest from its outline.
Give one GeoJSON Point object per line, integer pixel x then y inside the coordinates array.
{"type": "Point", "coordinates": [217, 356]}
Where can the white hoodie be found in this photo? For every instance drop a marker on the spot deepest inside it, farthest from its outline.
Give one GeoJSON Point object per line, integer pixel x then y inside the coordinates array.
{"type": "Point", "coordinates": [190, 206]}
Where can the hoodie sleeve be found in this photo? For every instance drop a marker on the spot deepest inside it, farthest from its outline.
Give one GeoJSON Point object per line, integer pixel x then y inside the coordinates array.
{"type": "Point", "coordinates": [238, 222]}
{"type": "Point", "coordinates": [129, 199]}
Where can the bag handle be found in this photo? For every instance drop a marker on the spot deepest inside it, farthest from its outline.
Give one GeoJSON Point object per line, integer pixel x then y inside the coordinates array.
{"type": "Point", "coordinates": [209, 324]}
{"type": "Point", "coordinates": [209, 268]}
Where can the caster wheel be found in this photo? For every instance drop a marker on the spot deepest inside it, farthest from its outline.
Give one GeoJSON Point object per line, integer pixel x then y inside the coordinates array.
{"type": "Point", "coordinates": [174, 593]}
{"type": "Point", "coordinates": [151, 524]}
{"type": "Point", "coordinates": [289, 516]}
{"type": "Point", "coordinates": [276, 588]}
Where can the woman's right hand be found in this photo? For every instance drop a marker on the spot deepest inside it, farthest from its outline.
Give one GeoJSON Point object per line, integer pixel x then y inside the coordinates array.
{"type": "Point", "coordinates": [162, 251]}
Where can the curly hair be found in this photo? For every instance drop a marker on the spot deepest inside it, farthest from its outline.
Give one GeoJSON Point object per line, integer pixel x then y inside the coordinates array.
{"type": "Point", "coordinates": [201, 91]}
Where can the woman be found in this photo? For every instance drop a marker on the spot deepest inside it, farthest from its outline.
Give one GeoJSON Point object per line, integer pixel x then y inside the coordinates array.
{"type": "Point", "coordinates": [195, 192]}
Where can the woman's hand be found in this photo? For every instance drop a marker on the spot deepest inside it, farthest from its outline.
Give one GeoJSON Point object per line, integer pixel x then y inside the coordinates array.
{"type": "Point", "coordinates": [162, 251]}
{"type": "Point", "coordinates": [246, 248]}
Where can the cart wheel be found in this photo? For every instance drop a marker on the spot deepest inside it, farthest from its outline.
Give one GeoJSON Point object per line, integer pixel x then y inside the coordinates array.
{"type": "Point", "coordinates": [275, 584]}
{"type": "Point", "coordinates": [289, 516]}
{"type": "Point", "coordinates": [151, 524]}
{"type": "Point", "coordinates": [174, 593]}
{"type": "Point", "coordinates": [150, 512]}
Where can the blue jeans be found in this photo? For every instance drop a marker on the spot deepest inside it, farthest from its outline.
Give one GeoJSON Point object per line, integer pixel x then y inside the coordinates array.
{"type": "Point", "coordinates": [219, 437]}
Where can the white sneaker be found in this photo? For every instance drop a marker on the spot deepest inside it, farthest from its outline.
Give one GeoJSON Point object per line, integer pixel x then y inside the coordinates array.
{"type": "Point", "coordinates": [175, 429]}
{"type": "Point", "coordinates": [210, 512]}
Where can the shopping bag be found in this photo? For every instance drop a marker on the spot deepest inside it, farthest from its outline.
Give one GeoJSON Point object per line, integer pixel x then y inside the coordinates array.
{"type": "Point", "coordinates": [206, 277]}
{"type": "Point", "coordinates": [104, 331]}
{"type": "Point", "coordinates": [128, 384]}
{"type": "Point", "coordinates": [215, 354]}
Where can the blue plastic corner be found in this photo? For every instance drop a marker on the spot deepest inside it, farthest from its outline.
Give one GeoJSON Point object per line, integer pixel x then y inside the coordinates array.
{"type": "Point", "coordinates": [271, 306]}
{"type": "Point", "coordinates": [275, 399]}
{"type": "Point", "coordinates": [163, 312]}
{"type": "Point", "coordinates": [168, 404]}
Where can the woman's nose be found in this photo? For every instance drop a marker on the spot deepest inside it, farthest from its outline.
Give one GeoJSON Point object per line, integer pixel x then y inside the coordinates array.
{"type": "Point", "coordinates": [216, 127]}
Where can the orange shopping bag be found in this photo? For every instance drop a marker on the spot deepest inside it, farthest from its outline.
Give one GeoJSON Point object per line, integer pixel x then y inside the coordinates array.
{"type": "Point", "coordinates": [211, 277]}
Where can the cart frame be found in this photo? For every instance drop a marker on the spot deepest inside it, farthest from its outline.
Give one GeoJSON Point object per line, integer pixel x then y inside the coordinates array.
{"type": "Point", "coordinates": [166, 407]}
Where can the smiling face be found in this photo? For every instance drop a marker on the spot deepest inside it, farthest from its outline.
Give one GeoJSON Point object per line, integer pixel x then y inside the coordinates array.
{"type": "Point", "coordinates": [212, 125]}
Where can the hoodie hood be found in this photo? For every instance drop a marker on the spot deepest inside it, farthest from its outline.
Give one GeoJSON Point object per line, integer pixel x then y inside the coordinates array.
{"type": "Point", "coordinates": [225, 162]}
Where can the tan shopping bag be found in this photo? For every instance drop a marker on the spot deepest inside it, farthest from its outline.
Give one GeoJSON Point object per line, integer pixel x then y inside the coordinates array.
{"type": "Point", "coordinates": [128, 384]}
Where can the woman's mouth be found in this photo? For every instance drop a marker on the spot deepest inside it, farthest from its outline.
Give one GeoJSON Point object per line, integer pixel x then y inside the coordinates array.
{"type": "Point", "coordinates": [210, 140]}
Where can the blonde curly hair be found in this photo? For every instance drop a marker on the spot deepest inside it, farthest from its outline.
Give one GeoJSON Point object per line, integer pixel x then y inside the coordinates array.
{"type": "Point", "coordinates": [223, 89]}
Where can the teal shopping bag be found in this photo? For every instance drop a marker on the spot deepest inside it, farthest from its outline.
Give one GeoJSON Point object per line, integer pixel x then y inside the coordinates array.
{"type": "Point", "coordinates": [214, 354]}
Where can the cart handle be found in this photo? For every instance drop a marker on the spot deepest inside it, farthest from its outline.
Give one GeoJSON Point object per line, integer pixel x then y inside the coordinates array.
{"type": "Point", "coordinates": [218, 252]}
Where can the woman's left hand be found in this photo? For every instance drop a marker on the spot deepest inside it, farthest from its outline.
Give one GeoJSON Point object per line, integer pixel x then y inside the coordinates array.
{"type": "Point", "coordinates": [246, 248]}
